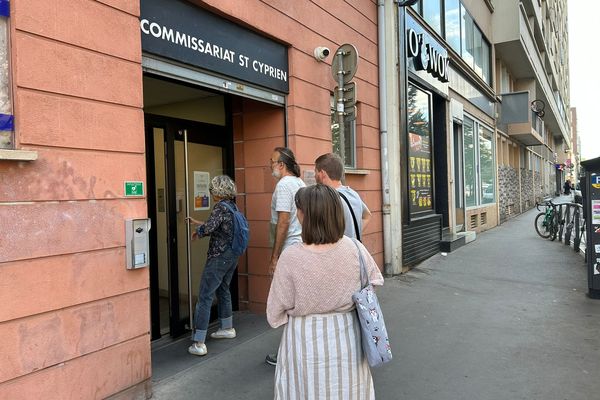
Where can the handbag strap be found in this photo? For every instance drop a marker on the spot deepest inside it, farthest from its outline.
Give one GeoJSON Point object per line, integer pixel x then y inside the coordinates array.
{"type": "Point", "coordinates": [364, 276]}
{"type": "Point", "coordinates": [356, 230]}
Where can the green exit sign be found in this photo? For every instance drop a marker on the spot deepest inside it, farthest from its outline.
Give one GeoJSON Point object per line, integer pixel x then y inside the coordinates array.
{"type": "Point", "coordinates": [134, 189]}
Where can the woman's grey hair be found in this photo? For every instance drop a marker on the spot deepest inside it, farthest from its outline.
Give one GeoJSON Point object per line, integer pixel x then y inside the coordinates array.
{"type": "Point", "coordinates": [223, 186]}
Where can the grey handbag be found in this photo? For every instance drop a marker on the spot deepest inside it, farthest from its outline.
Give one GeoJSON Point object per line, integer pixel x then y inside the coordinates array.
{"type": "Point", "coordinates": [375, 342]}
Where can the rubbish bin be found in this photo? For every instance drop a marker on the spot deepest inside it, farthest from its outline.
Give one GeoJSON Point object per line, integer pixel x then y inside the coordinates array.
{"type": "Point", "coordinates": [591, 207]}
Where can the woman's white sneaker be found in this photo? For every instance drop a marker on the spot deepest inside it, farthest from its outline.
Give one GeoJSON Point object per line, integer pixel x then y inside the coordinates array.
{"type": "Point", "coordinates": [197, 349]}
{"type": "Point", "coordinates": [223, 334]}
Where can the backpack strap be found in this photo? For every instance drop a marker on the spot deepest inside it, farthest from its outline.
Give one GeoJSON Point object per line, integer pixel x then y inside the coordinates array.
{"type": "Point", "coordinates": [356, 230]}
{"type": "Point", "coordinates": [224, 202]}
{"type": "Point", "coordinates": [364, 275]}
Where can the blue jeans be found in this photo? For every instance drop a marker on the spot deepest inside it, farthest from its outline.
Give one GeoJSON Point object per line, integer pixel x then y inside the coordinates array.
{"type": "Point", "coordinates": [216, 278]}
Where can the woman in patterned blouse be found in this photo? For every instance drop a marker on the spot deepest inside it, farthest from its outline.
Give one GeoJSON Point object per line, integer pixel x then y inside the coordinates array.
{"type": "Point", "coordinates": [220, 265]}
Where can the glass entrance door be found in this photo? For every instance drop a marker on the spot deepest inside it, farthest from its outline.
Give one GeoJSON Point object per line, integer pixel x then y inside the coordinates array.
{"type": "Point", "coordinates": [185, 157]}
{"type": "Point", "coordinates": [459, 183]}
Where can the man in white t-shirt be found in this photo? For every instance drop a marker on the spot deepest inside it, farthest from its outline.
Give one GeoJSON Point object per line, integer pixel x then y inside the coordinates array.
{"type": "Point", "coordinates": [285, 227]}
{"type": "Point", "coordinates": [329, 170]}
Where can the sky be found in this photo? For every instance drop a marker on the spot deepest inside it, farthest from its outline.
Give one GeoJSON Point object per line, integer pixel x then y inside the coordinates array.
{"type": "Point", "coordinates": [584, 65]}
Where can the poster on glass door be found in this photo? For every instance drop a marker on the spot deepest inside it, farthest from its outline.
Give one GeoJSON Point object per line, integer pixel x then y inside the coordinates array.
{"type": "Point", "coordinates": [420, 178]}
{"type": "Point", "coordinates": [201, 192]}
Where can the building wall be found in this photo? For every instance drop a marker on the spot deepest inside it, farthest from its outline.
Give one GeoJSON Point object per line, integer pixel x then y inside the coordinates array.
{"type": "Point", "coordinates": [259, 128]}
{"type": "Point", "coordinates": [508, 192]}
{"type": "Point", "coordinates": [527, 193]}
{"type": "Point", "coordinates": [74, 322]}
{"type": "Point", "coordinates": [72, 311]}
{"type": "Point", "coordinates": [482, 218]}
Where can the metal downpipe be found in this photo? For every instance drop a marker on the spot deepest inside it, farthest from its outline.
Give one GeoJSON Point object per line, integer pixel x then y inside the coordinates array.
{"type": "Point", "coordinates": [383, 134]}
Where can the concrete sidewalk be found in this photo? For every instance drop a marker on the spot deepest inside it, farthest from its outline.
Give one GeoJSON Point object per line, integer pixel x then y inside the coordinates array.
{"type": "Point", "coordinates": [505, 317]}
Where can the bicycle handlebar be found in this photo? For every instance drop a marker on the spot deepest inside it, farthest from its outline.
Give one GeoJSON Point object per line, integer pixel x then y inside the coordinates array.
{"type": "Point", "coordinates": [550, 203]}
{"type": "Point", "coordinates": [547, 203]}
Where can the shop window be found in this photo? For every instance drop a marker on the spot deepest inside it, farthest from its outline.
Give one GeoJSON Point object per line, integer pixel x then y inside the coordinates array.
{"type": "Point", "coordinates": [479, 161]}
{"type": "Point", "coordinates": [488, 170]}
{"type": "Point", "coordinates": [469, 161]}
{"type": "Point", "coordinates": [419, 153]}
{"type": "Point", "coordinates": [349, 137]}
{"type": "Point", "coordinates": [6, 117]}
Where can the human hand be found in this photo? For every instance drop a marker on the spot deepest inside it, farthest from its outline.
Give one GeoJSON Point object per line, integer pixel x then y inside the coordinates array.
{"type": "Point", "coordinates": [194, 221]}
{"type": "Point", "coordinates": [194, 235]}
{"type": "Point", "coordinates": [272, 266]}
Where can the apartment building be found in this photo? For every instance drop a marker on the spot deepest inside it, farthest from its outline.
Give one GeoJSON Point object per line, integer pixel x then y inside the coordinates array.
{"type": "Point", "coordinates": [498, 128]}
{"type": "Point", "coordinates": [532, 84]}
{"type": "Point", "coordinates": [574, 160]}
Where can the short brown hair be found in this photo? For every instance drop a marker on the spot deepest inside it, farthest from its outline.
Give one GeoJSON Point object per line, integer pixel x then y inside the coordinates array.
{"type": "Point", "coordinates": [332, 164]}
{"type": "Point", "coordinates": [323, 214]}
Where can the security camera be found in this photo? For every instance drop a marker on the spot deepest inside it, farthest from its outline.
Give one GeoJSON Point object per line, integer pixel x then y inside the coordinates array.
{"type": "Point", "coordinates": [321, 53]}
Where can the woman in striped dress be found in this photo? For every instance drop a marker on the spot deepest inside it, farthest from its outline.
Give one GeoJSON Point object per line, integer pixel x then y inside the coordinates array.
{"type": "Point", "coordinates": [320, 355]}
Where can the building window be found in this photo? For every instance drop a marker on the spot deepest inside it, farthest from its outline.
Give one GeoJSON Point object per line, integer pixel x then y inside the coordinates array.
{"type": "Point", "coordinates": [470, 165]}
{"type": "Point", "coordinates": [6, 117]}
{"type": "Point", "coordinates": [452, 22]}
{"type": "Point", "coordinates": [349, 137]}
{"type": "Point", "coordinates": [432, 13]}
{"type": "Point", "coordinates": [467, 27]}
{"type": "Point", "coordinates": [504, 80]}
{"type": "Point", "coordinates": [479, 160]}
{"type": "Point", "coordinates": [488, 170]}
{"type": "Point", "coordinates": [420, 164]}
{"type": "Point", "coordinates": [463, 35]}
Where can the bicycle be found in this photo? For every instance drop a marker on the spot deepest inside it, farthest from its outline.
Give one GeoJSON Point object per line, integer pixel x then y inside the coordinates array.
{"type": "Point", "coordinates": [545, 222]}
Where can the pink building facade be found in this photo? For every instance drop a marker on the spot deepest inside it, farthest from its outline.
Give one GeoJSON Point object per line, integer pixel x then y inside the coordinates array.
{"type": "Point", "coordinates": [96, 105]}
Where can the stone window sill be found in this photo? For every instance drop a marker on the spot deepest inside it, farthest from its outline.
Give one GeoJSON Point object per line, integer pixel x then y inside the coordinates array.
{"type": "Point", "coordinates": [352, 171]}
{"type": "Point", "coordinates": [18, 155]}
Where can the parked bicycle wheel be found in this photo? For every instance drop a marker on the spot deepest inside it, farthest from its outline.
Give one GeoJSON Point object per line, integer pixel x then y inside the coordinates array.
{"type": "Point", "coordinates": [569, 226]}
{"type": "Point", "coordinates": [542, 227]}
{"type": "Point", "coordinates": [554, 225]}
{"type": "Point", "coordinates": [561, 223]}
{"type": "Point", "coordinates": [577, 238]}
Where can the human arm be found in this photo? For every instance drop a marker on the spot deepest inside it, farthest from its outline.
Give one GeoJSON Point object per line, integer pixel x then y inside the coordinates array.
{"type": "Point", "coordinates": [213, 222]}
{"type": "Point", "coordinates": [195, 222]}
{"type": "Point", "coordinates": [281, 230]}
{"type": "Point", "coordinates": [281, 296]}
{"type": "Point", "coordinates": [366, 216]}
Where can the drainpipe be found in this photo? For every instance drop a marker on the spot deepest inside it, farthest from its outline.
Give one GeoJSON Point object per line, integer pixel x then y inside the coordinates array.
{"type": "Point", "coordinates": [383, 134]}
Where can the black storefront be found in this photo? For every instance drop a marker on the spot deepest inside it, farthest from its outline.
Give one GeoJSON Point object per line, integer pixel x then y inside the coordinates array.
{"type": "Point", "coordinates": [424, 93]}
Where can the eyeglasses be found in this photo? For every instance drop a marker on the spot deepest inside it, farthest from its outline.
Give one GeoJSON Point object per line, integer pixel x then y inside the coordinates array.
{"type": "Point", "coordinates": [274, 161]}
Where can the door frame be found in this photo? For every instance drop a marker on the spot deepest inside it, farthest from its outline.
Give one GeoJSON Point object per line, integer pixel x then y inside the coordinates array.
{"type": "Point", "coordinates": [219, 135]}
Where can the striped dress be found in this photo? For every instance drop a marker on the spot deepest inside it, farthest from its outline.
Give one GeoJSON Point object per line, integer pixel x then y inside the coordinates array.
{"type": "Point", "coordinates": [320, 355]}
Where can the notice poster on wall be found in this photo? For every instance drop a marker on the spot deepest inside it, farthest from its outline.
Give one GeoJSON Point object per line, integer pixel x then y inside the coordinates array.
{"type": "Point", "coordinates": [201, 193]}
